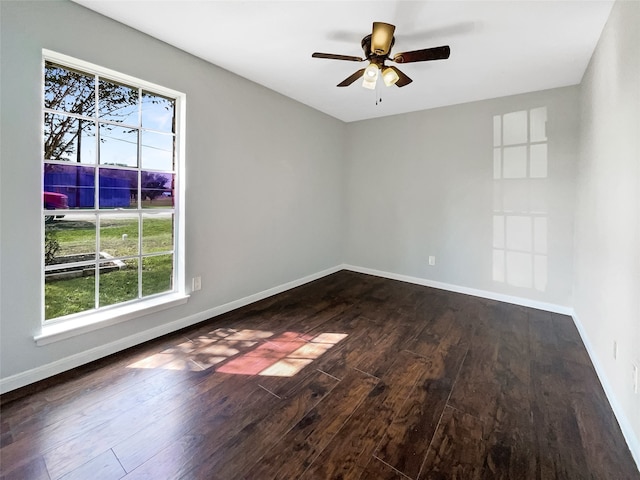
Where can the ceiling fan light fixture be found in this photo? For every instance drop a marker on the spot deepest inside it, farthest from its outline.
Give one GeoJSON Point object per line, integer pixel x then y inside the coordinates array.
{"type": "Point", "coordinates": [370, 76]}
{"type": "Point", "coordinates": [371, 85]}
{"type": "Point", "coordinates": [389, 76]}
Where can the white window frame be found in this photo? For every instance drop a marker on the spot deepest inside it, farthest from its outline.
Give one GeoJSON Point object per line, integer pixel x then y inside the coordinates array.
{"type": "Point", "coordinates": [53, 330]}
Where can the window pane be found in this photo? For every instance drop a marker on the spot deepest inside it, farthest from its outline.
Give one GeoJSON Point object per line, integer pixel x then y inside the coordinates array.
{"type": "Point", "coordinates": [68, 90]}
{"type": "Point", "coordinates": [71, 239]}
{"type": "Point", "coordinates": [157, 232]}
{"type": "Point", "coordinates": [118, 188]}
{"type": "Point", "coordinates": [67, 294]}
{"type": "Point", "coordinates": [118, 283]}
{"type": "Point", "coordinates": [157, 190]}
{"type": "Point", "coordinates": [157, 112]}
{"type": "Point", "coordinates": [119, 235]}
{"type": "Point", "coordinates": [118, 146]}
{"type": "Point", "coordinates": [157, 151]}
{"type": "Point", "coordinates": [157, 274]}
{"type": "Point", "coordinates": [70, 184]}
{"type": "Point", "coordinates": [118, 103]}
{"type": "Point", "coordinates": [62, 142]}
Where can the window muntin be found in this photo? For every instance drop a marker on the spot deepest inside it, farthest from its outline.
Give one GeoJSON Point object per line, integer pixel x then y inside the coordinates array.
{"type": "Point", "coordinates": [109, 155]}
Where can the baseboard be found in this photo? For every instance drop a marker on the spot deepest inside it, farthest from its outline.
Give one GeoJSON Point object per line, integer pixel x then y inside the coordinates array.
{"type": "Point", "coordinates": [524, 302]}
{"type": "Point", "coordinates": [627, 430]}
{"type": "Point", "coordinates": [40, 373]}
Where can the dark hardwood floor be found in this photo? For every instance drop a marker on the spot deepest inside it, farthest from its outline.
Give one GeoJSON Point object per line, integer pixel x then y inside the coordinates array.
{"type": "Point", "coordinates": [348, 377]}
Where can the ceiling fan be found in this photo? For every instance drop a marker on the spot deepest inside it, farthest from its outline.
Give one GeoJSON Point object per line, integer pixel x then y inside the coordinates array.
{"type": "Point", "coordinates": [377, 48]}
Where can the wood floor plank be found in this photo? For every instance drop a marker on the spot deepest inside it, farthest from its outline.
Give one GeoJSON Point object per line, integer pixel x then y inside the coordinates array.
{"type": "Point", "coordinates": [212, 411]}
{"type": "Point", "coordinates": [103, 467]}
{"type": "Point", "coordinates": [34, 469]}
{"type": "Point", "coordinates": [80, 447]}
{"type": "Point", "coordinates": [172, 461]}
{"type": "Point", "coordinates": [228, 460]}
{"type": "Point", "coordinates": [354, 444]}
{"type": "Point", "coordinates": [351, 376]}
{"type": "Point", "coordinates": [458, 449]}
{"type": "Point", "coordinates": [296, 449]}
{"type": "Point", "coordinates": [407, 439]}
{"type": "Point", "coordinates": [379, 470]}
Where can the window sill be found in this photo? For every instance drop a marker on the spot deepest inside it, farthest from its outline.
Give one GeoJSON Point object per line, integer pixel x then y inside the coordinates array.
{"type": "Point", "coordinates": [56, 332]}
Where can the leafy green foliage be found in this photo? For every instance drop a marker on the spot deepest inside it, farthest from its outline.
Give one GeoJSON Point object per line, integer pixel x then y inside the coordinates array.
{"type": "Point", "coordinates": [51, 246]}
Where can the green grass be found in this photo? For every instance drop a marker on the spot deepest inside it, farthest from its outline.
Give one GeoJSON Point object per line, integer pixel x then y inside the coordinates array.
{"type": "Point", "coordinates": [67, 296]}
{"type": "Point", "coordinates": [77, 237]}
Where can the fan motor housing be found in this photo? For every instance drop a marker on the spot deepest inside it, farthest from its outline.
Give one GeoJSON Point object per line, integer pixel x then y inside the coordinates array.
{"type": "Point", "coordinates": [374, 57]}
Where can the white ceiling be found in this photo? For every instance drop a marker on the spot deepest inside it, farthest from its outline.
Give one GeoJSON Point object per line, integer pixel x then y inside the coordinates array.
{"type": "Point", "coordinates": [498, 48]}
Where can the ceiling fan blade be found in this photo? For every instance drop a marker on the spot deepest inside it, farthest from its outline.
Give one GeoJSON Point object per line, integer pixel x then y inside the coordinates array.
{"type": "Point", "coordinates": [332, 56]}
{"type": "Point", "coordinates": [349, 80]}
{"type": "Point", "coordinates": [402, 78]}
{"type": "Point", "coordinates": [435, 53]}
{"type": "Point", "coordinates": [381, 38]}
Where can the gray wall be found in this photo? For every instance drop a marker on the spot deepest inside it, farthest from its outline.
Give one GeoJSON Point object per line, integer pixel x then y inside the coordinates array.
{"type": "Point", "coordinates": [423, 184]}
{"type": "Point", "coordinates": [607, 239]}
{"type": "Point", "coordinates": [275, 190]}
{"type": "Point", "coordinates": [263, 186]}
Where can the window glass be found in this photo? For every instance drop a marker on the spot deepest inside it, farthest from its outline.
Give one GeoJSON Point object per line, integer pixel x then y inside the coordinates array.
{"type": "Point", "coordinates": [119, 235]}
{"type": "Point", "coordinates": [118, 188]}
{"type": "Point", "coordinates": [118, 145]}
{"type": "Point", "coordinates": [156, 190]}
{"type": "Point", "coordinates": [157, 151]}
{"type": "Point", "coordinates": [68, 90]}
{"type": "Point", "coordinates": [157, 274]}
{"type": "Point", "coordinates": [118, 281]}
{"type": "Point", "coordinates": [158, 113]}
{"type": "Point", "coordinates": [58, 286]}
{"type": "Point", "coordinates": [109, 176]}
{"type": "Point", "coordinates": [122, 106]}
{"type": "Point", "coordinates": [69, 139]}
{"type": "Point", "coordinates": [68, 186]}
{"type": "Point", "coordinates": [157, 232]}
{"type": "Point", "coordinates": [75, 240]}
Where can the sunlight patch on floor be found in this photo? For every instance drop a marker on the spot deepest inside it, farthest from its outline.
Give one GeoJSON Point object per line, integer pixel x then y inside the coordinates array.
{"type": "Point", "coordinates": [244, 352]}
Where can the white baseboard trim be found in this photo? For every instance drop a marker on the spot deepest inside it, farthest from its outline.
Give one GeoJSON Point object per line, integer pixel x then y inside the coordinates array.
{"type": "Point", "coordinates": [524, 302]}
{"type": "Point", "coordinates": [39, 373]}
{"type": "Point", "coordinates": [627, 431]}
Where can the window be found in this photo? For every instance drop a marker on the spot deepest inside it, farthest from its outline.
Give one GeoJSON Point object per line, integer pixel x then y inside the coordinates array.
{"type": "Point", "coordinates": [110, 190]}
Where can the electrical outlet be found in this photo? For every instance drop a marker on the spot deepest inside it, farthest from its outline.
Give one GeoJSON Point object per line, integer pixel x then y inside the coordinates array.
{"type": "Point", "coordinates": [635, 377]}
{"type": "Point", "coordinates": [615, 350]}
{"type": "Point", "coordinates": [432, 260]}
{"type": "Point", "coordinates": [196, 283]}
